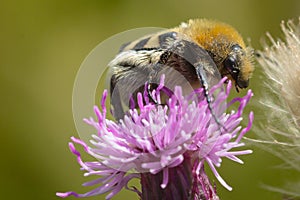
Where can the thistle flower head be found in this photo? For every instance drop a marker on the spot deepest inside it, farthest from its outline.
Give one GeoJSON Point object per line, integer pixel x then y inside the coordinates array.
{"type": "Point", "coordinates": [154, 139]}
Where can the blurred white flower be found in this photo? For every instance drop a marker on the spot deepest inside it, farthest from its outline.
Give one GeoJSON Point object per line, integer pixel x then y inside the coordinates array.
{"type": "Point", "coordinates": [281, 104]}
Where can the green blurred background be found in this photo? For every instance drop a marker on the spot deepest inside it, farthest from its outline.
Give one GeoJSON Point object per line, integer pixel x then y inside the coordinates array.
{"type": "Point", "coordinates": [42, 46]}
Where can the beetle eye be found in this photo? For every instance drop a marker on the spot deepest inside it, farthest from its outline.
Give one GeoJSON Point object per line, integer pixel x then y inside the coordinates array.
{"type": "Point", "coordinates": [230, 64]}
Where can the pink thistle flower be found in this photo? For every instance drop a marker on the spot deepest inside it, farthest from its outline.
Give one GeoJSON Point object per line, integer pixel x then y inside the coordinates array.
{"type": "Point", "coordinates": [165, 146]}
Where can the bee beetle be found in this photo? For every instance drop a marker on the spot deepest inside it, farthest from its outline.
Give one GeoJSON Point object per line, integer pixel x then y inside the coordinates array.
{"type": "Point", "coordinates": [201, 50]}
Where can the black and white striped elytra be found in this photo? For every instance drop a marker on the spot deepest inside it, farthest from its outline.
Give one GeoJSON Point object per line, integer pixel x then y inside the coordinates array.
{"type": "Point", "coordinates": [192, 54]}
